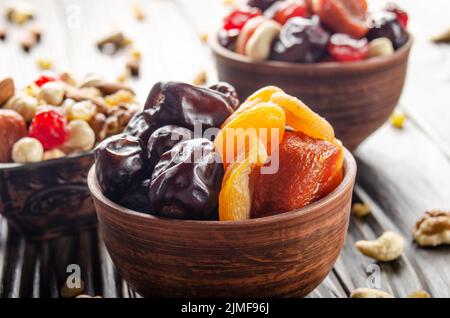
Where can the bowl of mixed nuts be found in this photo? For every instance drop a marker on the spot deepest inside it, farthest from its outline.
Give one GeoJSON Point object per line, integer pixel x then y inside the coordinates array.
{"type": "Point", "coordinates": [345, 60]}
{"type": "Point", "coordinates": [48, 131]}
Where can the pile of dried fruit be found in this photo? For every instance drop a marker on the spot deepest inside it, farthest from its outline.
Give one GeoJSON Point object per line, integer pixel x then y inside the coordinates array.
{"type": "Point", "coordinates": [313, 30]}
{"type": "Point", "coordinates": [195, 153]}
{"type": "Point", "coordinates": [54, 116]}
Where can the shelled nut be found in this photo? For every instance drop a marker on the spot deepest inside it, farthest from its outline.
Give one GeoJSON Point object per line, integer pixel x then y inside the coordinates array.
{"type": "Point", "coordinates": [361, 209]}
{"type": "Point", "coordinates": [369, 293]}
{"type": "Point", "coordinates": [387, 247]}
{"type": "Point", "coordinates": [6, 90]}
{"type": "Point", "coordinates": [26, 150]}
{"type": "Point", "coordinates": [3, 33]}
{"type": "Point", "coordinates": [52, 93]}
{"type": "Point", "coordinates": [83, 110]}
{"type": "Point", "coordinates": [201, 78]}
{"type": "Point", "coordinates": [81, 136]}
{"type": "Point", "coordinates": [98, 125]}
{"type": "Point", "coordinates": [419, 294]}
{"type": "Point", "coordinates": [433, 229]}
{"type": "Point", "coordinates": [19, 14]}
{"type": "Point", "coordinates": [112, 42]}
{"type": "Point", "coordinates": [53, 154]}
{"type": "Point", "coordinates": [380, 47]}
{"type": "Point", "coordinates": [259, 45]}
{"type": "Point", "coordinates": [23, 104]}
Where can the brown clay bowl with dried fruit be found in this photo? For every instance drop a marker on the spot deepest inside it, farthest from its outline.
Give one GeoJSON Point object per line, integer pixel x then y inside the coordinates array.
{"type": "Point", "coordinates": [49, 198]}
{"type": "Point", "coordinates": [356, 98]}
{"type": "Point", "coordinates": [285, 255]}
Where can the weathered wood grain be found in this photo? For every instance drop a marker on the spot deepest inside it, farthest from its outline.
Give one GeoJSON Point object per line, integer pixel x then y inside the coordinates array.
{"type": "Point", "coordinates": [401, 173]}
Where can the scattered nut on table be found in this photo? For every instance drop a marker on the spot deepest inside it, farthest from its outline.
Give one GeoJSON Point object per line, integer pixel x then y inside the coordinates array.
{"type": "Point", "coordinates": [138, 11]}
{"type": "Point", "coordinates": [112, 42]}
{"type": "Point", "coordinates": [387, 247]}
{"type": "Point", "coordinates": [26, 150]}
{"type": "Point", "coordinates": [201, 78]}
{"type": "Point", "coordinates": [369, 293]}
{"type": "Point", "coordinates": [19, 13]}
{"type": "Point", "coordinates": [44, 63]}
{"type": "Point", "coordinates": [361, 209]}
{"type": "Point", "coordinates": [443, 37]}
{"type": "Point", "coordinates": [433, 229]}
{"type": "Point", "coordinates": [419, 294]}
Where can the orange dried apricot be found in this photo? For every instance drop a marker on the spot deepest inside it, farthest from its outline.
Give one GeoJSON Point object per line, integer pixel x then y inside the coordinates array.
{"type": "Point", "coordinates": [236, 194]}
{"type": "Point", "coordinates": [309, 169]}
{"type": "Point", "coordinates": [261, 95]}
{"type": "Point", "coordinates": [263, 121]}
{"type": "Point", "coordinates": [301, 118]}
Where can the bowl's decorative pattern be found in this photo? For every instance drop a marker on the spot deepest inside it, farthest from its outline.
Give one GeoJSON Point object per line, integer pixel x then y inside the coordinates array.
{"type": "Point", "coordinates": [49, 198]}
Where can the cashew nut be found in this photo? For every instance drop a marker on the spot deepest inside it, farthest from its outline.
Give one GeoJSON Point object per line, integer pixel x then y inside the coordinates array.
{"type": "Point", "coordinates": [387, 247]}
{"type": "Point", "coordinates": [380, 47]}
{"type": "Point", "coordinates": [419, 294]}
{"type": "Point", "coordinates": [259, 44]}
{"type": "Point", "coordinates": [81, 137]}
{"type": "Point", "coordinates": [433, 229]}
{"type": "Point", "coordinates": [27, 149]}
{"type": "Point", "coordinates": [52, 93]}
{"type": "Point", "coordinates": [369, 293]}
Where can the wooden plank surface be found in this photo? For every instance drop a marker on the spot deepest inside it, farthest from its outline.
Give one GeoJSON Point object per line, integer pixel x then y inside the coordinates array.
{"type": "Point", "coordinates": [401, 173]}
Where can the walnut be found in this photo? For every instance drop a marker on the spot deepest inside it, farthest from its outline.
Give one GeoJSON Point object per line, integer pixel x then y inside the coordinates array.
{"type": "Point", "coordinates": [433, 229]}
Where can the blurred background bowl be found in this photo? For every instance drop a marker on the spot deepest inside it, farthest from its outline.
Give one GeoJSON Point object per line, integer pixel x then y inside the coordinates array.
{"type": "Point", "coordinates": [356, 97]}
{"type": "Point", "coordinates": [285, 255]}
{"type": "Point", "coordinates": [47, 199]}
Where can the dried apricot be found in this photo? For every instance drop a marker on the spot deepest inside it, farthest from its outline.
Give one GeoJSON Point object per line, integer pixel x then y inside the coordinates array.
{"type": "Point", "coordinates": [301, 118]}
{"type": "Point", "coordinates": [236, 193]}
{"type": "Point", "coordinates": [263, 121]}
{"type": "Point", "coordinates": [309, 169]}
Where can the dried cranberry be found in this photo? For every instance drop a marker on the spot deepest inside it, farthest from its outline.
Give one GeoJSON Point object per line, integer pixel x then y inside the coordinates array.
{"type": "Point", "coordinates": [237, 18]}
{"type": "Point", "coordinates": [44, 79]}
{"type": "Point", "coordinates": [344, 48]}
{"type": "Point", "coordinates": [49, 126]}
{"type": "Point", "coordinates": [401, 15]}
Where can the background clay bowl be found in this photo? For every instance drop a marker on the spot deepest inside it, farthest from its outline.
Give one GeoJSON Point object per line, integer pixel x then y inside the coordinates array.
{"type": "Point", "coordinates": [49, 198]}
{"type": "Point", "coordinates": [355, 97]}
{"type": "Point", "coordinates": [277, 256]}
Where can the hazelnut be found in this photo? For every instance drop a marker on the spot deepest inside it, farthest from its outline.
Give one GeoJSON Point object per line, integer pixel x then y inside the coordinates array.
{"type": "Point", "coordinates": [52, 93]}
{"type": "Point", "coordinates": [23, 104]}
{"type": "Point", "coordinates": [53, 154]}
{"type": "Point", "coordinates": [81, 136]}
{"type": "Point", "coordinates": [84, 110]}
{"type": "Point", "coordinates": [27, 149]}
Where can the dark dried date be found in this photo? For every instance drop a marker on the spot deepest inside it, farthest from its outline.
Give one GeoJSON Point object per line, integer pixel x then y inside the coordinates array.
{"type": "Point", "coordinates": [186, 181]}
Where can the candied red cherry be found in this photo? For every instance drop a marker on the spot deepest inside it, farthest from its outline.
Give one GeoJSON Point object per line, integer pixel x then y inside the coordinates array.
{"type": "Point", "coordinates": [49, 126]}
{"type": "Point", "coordinates": [237, 18]}
{"type": "Point", "coordinates": [301, 40]}
{"type": "Point", "coordinates": [261, 4]}
{"type": "Point", "coordinates": [45, 79]}
{"type": "Point", "coordinates": [344, 48]}
{"type": "Point", "coordinates": [385, 24]}
{"type": "Point", "coordinates": [290, 9]}
{"type": "Point", "coordinates": [401, 15]}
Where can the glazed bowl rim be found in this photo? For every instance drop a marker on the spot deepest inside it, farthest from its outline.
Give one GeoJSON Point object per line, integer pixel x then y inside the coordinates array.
{"type": "Point", "coordinates": [44, 163]}
{"type": "Point", "coordinates": [350, 169]}
{"type": "Point", "coordinates": [372, 62]}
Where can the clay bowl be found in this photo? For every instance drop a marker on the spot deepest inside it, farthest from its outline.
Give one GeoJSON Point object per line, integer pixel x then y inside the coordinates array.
{"type": "Point", "coordinates": [49, 198]}
{"type": "Point", "coordinates": [355, 97]}
{"type": "Point", "coordinates": [285, 255]}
